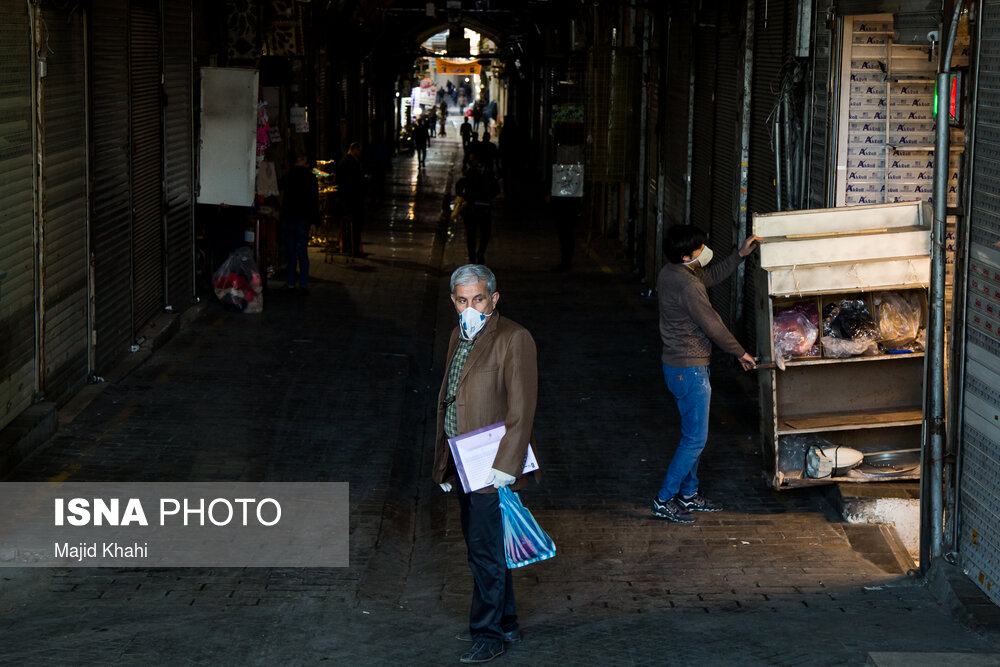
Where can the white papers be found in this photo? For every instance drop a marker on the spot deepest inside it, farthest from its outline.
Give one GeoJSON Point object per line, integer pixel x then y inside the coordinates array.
{"type": "Point", "coordinates": [475, 451]}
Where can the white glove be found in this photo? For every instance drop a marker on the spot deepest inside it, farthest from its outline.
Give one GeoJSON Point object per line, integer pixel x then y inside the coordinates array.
{"type": "Point", "coordinates": [446, 486]}
{"type": "Point", "coordinates": [500, 479]}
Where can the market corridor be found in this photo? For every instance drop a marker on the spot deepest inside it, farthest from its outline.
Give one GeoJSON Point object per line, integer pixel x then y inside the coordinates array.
{"type": "Point", "coordinates": [340, 385]}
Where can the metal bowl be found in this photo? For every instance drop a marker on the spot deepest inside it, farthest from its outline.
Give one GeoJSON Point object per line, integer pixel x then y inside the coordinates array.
{"type": "Point", "coordinates": [891, 463]}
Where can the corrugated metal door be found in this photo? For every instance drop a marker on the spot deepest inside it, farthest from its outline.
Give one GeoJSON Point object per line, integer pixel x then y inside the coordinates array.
{"type": "Point", "coordinates": [703, 151]}
{"type": "Point", "coordinates": [146, 163]}
{"type": "Point", "coordinates": [63, 226]}
{"type": "Point", "coordinates": [673, 160]}
{"type": "Point", "coordinates": [111, 222]}
{"type": "Point", "coordinates": [17, 256]}
{"type": "Point", "coordinates": [820, 114]}
{"type": "Point", "coordinates": [771, 28]}
{"type": "Point", "coordinates": [725, 153]}
{"type": "Point", "coordinates": [654, 140]}
{"type": "Point", "coordinates": [178, 157]}
{"type": "Point", "coordinates": [979, 491]}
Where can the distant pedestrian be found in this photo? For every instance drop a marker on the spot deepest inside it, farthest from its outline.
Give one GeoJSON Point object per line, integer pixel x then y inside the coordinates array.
{"type": "Point", "coordinates": [478, 187]}
{"type": "Point", "coordinates": [420, 141]}
{"type": "Point", "coordinates": [466, 131]}
{"type": "Point", "coordinates": [351, 189]}
{"type": "Point", "coordinates": [477, 116]}
{"type": "Point", "coordinates": [491, 376]}
{"type": "Point", "coordinates": [688, 327]}
{"type": "Point", "coordinates": [299, 213]}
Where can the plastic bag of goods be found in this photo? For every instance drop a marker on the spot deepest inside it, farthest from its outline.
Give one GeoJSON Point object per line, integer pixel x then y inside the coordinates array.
{"type": "Point", "coordinates": [238, 284]}
{"type": "Point", "coordinates": [899, 319]}
{"type": "Point", "coordinates": [848, 329]}
{"type": "Point", "coordinates": [524, 540]}
{"type": "Point", "coordinates": [795, 330]}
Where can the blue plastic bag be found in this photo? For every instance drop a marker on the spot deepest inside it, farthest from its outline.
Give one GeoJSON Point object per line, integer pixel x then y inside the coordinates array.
{"type": "Point", "coordinates": [524, 542]}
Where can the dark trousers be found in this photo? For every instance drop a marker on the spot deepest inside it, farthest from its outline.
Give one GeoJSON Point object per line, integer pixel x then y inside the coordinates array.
{"type": "Point", "coordinates": [478, 227]}
{"type": "Point", "coordinates": [493, 610]}
{"type": "Point", "coordinates": [295, 238]}
{"type": "Point", "coordinates": [421, 154]}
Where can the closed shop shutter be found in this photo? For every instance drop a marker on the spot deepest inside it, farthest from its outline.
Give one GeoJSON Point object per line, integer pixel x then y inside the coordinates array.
{"type": "Point", "coordinates": [17, 256]}
{"type": "Point", "coordinates": [675, 125]}
{"type": "Point", "coordinates": [979, 494]}
{"type": "Point", "coordinates": [653, 174]}
{"type": "Point", "coordinates": [703, 158]}
{"type": "Point", "coordinates": [178, 169]}
{"type": "Point", "coordinates": [146, 164]}
{"type": "Point", "coordinates": [772, 24]}
{"type": "Point", "coordinates": [820, 115]}
{"type": "Point", "coordinates": [111, 225]}
{"type": "Point", "coordinates": [725, 154]}
{"type": "Point", "coordinates": [64, 256]}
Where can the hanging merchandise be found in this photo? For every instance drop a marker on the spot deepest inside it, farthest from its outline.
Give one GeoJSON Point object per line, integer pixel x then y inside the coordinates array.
{"type": "Point", "coordinates": [238, 284]}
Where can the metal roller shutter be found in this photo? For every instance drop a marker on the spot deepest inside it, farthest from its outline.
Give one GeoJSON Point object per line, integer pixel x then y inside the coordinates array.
{"type": "Point", "coordinates": [146, 164]}
{"type": "Point", "coordinates": [178, 157]}
{"type": "Point", "coordinates": [675, 129]}
{"type": "Point", "coordinates": [654, 140]}
{"type": "Point", "coordinates": [64, 243]}
{"type": "Point", "coordinates": [725, 156]}
{"type": "Point", "coordinates": [703, 152]}
{"type": "Point", "coordinates": [979, 491]}
{"type": "Point", "coordinates": [820, 112]}
{"type": "Point", "coordinates": [17, 256]}
{"type": "Point", "coordinates": [111, 225]}
{"type": "Point", "coordinates": [771, 27]}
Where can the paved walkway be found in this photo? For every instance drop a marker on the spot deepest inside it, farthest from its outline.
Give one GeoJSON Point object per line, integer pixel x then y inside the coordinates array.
{"type": "Point", "coordinates": [341, 385]}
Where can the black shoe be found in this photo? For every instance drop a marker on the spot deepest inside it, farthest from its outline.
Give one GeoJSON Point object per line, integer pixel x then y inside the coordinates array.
{"type": "Point", "coordinates": [512, 637]}
{"type": "Point", "coordinates": [671, 510]}
{"type": "Point", "coordinates": [483, 651]}
{"type": "Point", "coordinates": [699, 503]}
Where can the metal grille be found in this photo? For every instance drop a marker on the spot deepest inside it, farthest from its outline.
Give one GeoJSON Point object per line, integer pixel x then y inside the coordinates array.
{"type": "Point", "coordinates": [146, 165]}
{"type": "Point", "coordinates": [979, 490]}
{"type": "Point", "coordinates": [64, 284]}
{"type": "Point", "coordinates": [820, 110]}
{"type": "Point", "coordinates": [111, 226]}
{"type": "Point", "coordinates": [611, 108]}
{"type": "Point", "coordinates": [178, 168]}
{"type": "Point", "coordinates": [771, 38]}
{"type": "Point", "coordinates": [17, 272]}
{"type": "Point", "coordinates": [675, 115]}
{"type": "Point", "coordinates": [703, 150]}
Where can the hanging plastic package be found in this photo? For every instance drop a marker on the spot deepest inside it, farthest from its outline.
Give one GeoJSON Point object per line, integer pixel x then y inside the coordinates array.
{"type": "Point", "coordinates": [899, 319]}
{"type": "Point", "coordinates": [524, 541]}
{"type": "Point", "coordinates": [238, 284]}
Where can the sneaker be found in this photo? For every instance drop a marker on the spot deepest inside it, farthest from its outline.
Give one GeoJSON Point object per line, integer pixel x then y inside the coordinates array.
{"type": "Point", "coordinates": [483, 652]}
{"type": "Point", "coordinates": [699, 503]}
{"type": "Point", "coordinates": [671, 510]}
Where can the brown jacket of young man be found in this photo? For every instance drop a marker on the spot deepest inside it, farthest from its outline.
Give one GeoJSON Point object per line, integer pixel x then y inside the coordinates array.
{"type": "Point", "coordinates": [499, 383]}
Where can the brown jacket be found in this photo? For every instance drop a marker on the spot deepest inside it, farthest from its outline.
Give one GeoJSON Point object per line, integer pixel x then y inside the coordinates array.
{"type": "Point", "coordinates": [499, 383]}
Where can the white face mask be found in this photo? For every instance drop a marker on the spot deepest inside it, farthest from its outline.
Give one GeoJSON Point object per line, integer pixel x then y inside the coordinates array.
{"type": "Point", "coordinates": [703, 259]}
{"type": "Point", "coordinates": [471, 322]}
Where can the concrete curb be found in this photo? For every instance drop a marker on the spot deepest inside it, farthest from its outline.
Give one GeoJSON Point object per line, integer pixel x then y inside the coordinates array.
{"type": "Point", "coordinates": [966, 602]}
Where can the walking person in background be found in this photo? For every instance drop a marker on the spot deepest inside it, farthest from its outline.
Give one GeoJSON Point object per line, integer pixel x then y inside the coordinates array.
{"type": "Point", "coordinates": [351, 188]}
{"type": "Point", "coordinates": [688, 327]}
{"type": "Point", "coordinates": [420, 140]}
{"type": "Point", "coordinates": [466, 132]}
{"type": "Point", "coordinates": [478, 187]}
{"type": "Point", "coordinates": [491, 377]}
{"type": "Point", "coordinates": [299, 212]}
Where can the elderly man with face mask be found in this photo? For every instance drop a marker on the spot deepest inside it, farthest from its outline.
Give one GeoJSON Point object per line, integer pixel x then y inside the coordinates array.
{"type": "Point", "coordinates": [688, 327]}
{"type": "Point", "coordinates": [491, 376]}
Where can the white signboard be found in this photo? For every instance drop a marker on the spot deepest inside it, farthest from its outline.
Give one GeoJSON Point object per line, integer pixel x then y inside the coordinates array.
{"type": "Point", "coordinates": [226, 156]}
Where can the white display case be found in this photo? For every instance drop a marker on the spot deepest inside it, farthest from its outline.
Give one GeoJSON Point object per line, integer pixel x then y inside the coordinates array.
{"type": "Point", "coordinates": [870, 403]}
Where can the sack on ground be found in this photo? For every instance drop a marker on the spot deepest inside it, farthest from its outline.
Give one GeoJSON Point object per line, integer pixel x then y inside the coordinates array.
{"type": "Point", "coordinates": [238, 284]}
{"type": "Point", "coordinates": [524, 541]}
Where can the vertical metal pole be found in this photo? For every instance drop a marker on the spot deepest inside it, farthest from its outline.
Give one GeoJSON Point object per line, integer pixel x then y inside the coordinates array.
{"type": "Point", "coordinates": [934, 422]}
{"type": "Point", "coordinates": [38, 71]}
{"type": "Point", "coordinates": [690, 117]}
{"type": "Point", "coordinates": [639, 255]}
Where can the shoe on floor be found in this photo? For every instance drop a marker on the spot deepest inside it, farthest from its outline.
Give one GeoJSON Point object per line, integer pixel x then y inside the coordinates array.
{"type": "Point", "coordinates": [671, 510]}
{"type": "Point", "coordinates": [483, 652]}
{"type": "Point", "coordinates": [699, 503]}
{"type": "Point", "coordinates": [511, 637]}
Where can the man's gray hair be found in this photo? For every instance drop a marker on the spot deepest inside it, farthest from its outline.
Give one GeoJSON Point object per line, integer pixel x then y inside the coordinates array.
{"type": "Point", "coordinates": [470, 274]}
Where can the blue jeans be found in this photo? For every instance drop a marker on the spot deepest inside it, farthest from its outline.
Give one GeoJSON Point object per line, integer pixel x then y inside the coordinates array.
{"type": "Point", "coordinates": [693, 393]}
{"type": "Point", "coordinates": [295, 237]}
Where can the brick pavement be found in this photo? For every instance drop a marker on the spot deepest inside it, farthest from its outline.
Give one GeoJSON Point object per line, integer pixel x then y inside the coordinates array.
{"type": "Point", "coordinates": [341, 386]}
